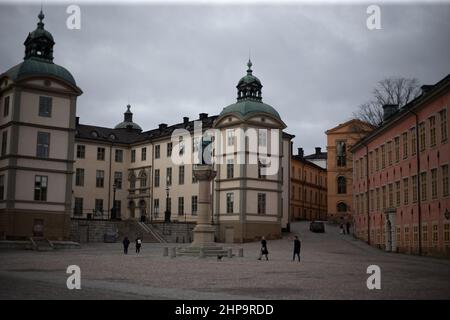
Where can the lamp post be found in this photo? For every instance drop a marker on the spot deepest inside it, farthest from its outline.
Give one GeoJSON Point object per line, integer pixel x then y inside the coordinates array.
{"type": "Point", "coordinates": [167, 213]}
{"type": "Point", "coordinates": [113, 210]}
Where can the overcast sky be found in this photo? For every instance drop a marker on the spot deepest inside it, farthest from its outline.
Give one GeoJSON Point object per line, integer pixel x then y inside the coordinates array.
{"type": "Point", "coordinates": [317, 63]}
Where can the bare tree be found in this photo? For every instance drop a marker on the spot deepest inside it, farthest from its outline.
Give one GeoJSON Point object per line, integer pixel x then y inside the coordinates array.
{"type": "Point", "coordinates": [388, 91]}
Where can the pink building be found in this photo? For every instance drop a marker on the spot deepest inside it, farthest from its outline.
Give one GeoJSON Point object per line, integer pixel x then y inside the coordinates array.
{"type": "Point", "coordinates": [401, 177]}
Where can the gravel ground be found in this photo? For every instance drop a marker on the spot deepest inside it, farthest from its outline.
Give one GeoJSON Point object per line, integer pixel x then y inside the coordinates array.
{"type": "Point", "coordinates": [333, 267]}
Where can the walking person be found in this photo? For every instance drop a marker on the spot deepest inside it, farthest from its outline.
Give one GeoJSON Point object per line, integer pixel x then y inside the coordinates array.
{"type": "Point", "coordinates": [264, 251]}
{"type": "Point", "coordinates": [297, 246]}
{"type": "Point", "coordinates": [126, 243]}
{"type": "Point", "coordinates": [138, 245]}
{"type": "Point", "coordinates": [348, 227]}
{"type": "Point", "coordinates": [342, 228]}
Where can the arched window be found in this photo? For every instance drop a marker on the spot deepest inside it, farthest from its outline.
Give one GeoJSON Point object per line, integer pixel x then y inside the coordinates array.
{"type": "Point", "coordinates": [341, 185]}
{"type": "Point", "coordinates": [341, 207]}
{"type": "Point", "coordinates": [143, 179]}
{"type": "Point", "coordinates": [132, 206]}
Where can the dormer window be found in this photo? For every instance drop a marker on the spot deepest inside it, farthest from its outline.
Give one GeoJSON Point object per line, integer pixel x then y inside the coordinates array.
{"type": "Point", "coordinates": [112, 136]}
{"type": "Point", "coordinates": [94, 134]}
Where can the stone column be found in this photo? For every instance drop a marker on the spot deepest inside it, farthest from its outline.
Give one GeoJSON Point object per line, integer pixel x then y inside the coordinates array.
{"type": "Point", "coordinates": [204, 231]}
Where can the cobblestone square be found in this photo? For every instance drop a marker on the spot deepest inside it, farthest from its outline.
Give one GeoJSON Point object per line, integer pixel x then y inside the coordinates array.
{"type": "Point", "coordinates": [333, 266]}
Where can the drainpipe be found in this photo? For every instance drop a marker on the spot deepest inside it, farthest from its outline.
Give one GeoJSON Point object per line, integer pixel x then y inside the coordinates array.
{"type": "Point", "coordinates": [367, 194]}
{"type": "Point", "coordinates": [419, 200]}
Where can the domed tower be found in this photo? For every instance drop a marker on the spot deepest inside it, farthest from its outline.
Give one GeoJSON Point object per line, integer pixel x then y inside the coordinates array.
{"type": "Point", "coordinates": [252, 199]}
{"type": "Point", "coordinates": [127, 122]}
{"type": "Point", "coordinates": [38, 104]}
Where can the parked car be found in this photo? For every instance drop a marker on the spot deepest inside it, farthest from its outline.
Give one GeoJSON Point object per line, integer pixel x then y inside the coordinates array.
{"type": "Point", "coordinates": [317, 226]}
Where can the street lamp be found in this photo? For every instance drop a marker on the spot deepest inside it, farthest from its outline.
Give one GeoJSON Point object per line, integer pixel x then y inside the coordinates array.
{"type": "Point", "coordinates": [167, 213]}
{"type": "Point", "coordinates": [113, 210]}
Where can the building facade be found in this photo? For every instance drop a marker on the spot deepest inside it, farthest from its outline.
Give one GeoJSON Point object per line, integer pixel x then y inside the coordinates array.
{"type": "Point", "coordinates": [53, 168]}
{"type": "Point", "coordinates": [340, 167]}
{"type": "Point", "coordinates": [401, 181]}
{"type": "Point", "coordinates": [309, 189]}
{"type": "Point", "coordinates": [37, 124]}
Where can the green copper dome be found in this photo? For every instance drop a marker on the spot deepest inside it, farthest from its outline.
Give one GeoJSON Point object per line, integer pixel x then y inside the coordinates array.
{"type": "Point", "coordinates": [247, 107]}
{"type": "Point", "coordinates": [36, 66]}
{"type": "Point", "coordinates": [249, 99]}
{"type": "Point", "coordinates": [127, 122]}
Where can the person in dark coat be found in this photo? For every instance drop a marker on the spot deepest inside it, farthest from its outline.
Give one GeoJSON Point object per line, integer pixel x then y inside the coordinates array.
{"type": "Point", "coordinates": [348, 227]}
{"type": "Point", "coordinates": [264, 251]}
{"type": "Point", "coordinates": [297, 246]}
{"type": "Point", "coordinates": [138, 245]}
{"type": "Point", "coordinates": [126, 243]}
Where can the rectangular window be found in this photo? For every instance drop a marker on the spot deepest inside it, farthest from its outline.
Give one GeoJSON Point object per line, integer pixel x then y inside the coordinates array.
{"type": "Point", "coordinates": [181, 175]}
{"type": "Point", "coordinates": [415, 235]}
{"type": "Point", "coordinates": [2, 187]}
{"type": "Point", "coordinates": [4, 142]}
{"type": "Point", "coordinates": [157, 151]}
{"type": "Point", "coordinates": [118, 208]}
{"type": "Point", "coordinates": [447, 234]}
{"type": "Point", "coordinates": [40, 188]}
{"type": "Point", "coordinates": [377, 160]}
{"type": "Point", "coordinates": [413, 141]}
{"type": "Point", "coordinates": [405, 190]}
{"type": "Point", "coordinates": [372, 200]}
{"type": "Point", "coordinates": [98, 207]}
{"type": "Point", "coordinates": [144, 154]}
{"type": "Point", "coordinates": [194, 179]}
{"type": "Point", "coordinates": [377, 191]}
{"type": "Point", "coordinates": [434, 191]}
{"type": "Point", "coordinates": [397, 149]}
{"type": "Point", "coordinates": [422, 136]}
{"type": "Point", "coordinates": [389, 152]}
{"type": "Point", "coordinates": [43, 144]}
{"type": "Point", "coordinates": [444, 124]}
{"type": "Point", "coordinates": [425, 235]}
{"type": "Point", "coordinates": [371, 162]}
{"type": "Point", "coordinates": [230, 137]}
{"type": "Point", "coordinates": [169, 204]}
{"type": "Point", "coordinates": [6, 106]}
{"type": "Point", "coordinates": [118, 155]}
{"type": "Point", "coordinates": [133, 156]}
{"type": "Point", "coordinates": [383, 156]}
{"type": "Point", "coordinates": [435, 235]}
{"type": "Point", "coordinates": [169, 176]}
{"type": "Point", "coordinates": [391, 195]}
{"type": "Point", "coordinates": [194, 205]}
{"type": "Point", "coordinates": [169, 149]}
{"type": "Point", "coordinates": [261, 203]}
{"type": "Point", "coordinates": [384, 197]}
{"type": "Point", "coordinates": [78, 207]}
{"type": "Point", "coordinates": [230, 169]}
{"type": "Point", "coordinates": [156, 207]}
{"type": "Point", "coordinates": [405, 145]}
{"type": "Point", "coordinates": [99, 178]}
{"type": "Point", "coordinates": [45, 106]}
{"type": "Point", "coordinates": [423, 186]}
{"type": "Point", "coordinates": [230, 202]}
{"type": "Point", "coordinates": [445, 181]}
{"type": "Point", "coordinates": [397, 194]}
{"type": "Point", "coordinates": [157, 177]}
{"type": "Point", "coordinates": [79, 177]}
{"type": "Point", "coordinates": [118, 179]}
{"type": "Point", "coordinates": [180, 206]}
{"type": "Point", "coordinates": [414, 188]}
{"type": "Point", "coordinates": [100, 153]}
{"type": "Point", "coordinates": [432, 122]}
{"type": "Point", "coordinates": [81, 151]}
{"type": "Point", "coordinates": [262, 137]}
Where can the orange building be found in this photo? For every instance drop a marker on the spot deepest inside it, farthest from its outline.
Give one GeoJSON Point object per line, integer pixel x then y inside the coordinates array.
{"type": "Point", "coordinates": [401, 177]}
{"type": "Point", "coordinates": [340, 167]}
{"type": "Point", "coordinates": [309, 189]}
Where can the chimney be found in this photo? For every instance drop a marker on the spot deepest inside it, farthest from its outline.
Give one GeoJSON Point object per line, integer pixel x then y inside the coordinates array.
{"type": "Point", "coordinates": [203, 116]}
{"type": "Point", "coordinates": [425, 88]}
{"type": "Point", "coordinates": [185, 120]}
{"type": "Point", "coordinates": [318, 150]}
{"type": "Point", "coordinates": [389, 110]}
{"type": "Point", "coordinates": [77, 120]}
{"type": "Point", "coordinates": [300, 152]}
{"type": "Point", "coordinates": [162, 126]}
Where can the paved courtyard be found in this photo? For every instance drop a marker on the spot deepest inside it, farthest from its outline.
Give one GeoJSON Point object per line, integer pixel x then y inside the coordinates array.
{"type": "Point", "coordinates": [333, 267]}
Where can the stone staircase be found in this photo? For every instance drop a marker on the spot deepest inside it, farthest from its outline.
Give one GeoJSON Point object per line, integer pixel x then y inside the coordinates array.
{"type": "Point", "coordinates": [151, 231]}
{"type": "Point", "coordinates": [174, 232]}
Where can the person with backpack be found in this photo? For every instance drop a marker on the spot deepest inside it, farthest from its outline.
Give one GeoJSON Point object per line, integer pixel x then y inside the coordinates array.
{"type": "Point", "coordinates": [138, 245]}
{"type": "Point", "coordinates": [264, 251]}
